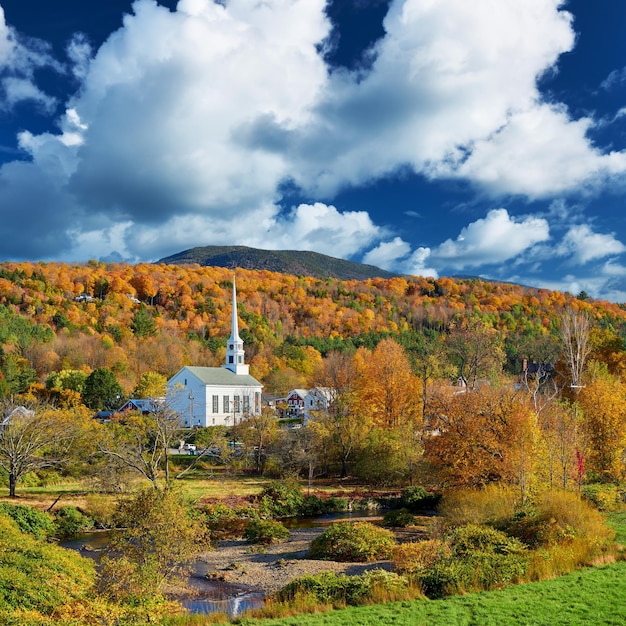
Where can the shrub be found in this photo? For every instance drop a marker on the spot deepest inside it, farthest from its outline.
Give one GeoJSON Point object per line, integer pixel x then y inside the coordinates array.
{"type": "Point", "coordinates": [417, 498]}
{"type": "Point", "coordinates": [476, 558]}
{"type": "Point", "coordinates": [225, 522]}
{"type": "Point", "coordinates": [101, 509]}
{"type": "Point", "coordinates": [353, 542]}
{"type": "Point", "coordinates": [400, 518]}
{"type": "Point", "coordinates": [603, 497]}
{"type": "Point", "coordinates": [339, 589]}
{"type": "Point", "coordinates": [494, 504]}
{"type": "Point", "coordinates": [281, 499]}
{"type": "Point", "coordinates": [28, 519]}
{"type": "Point", "coordinates": [419, 556]}
{"type": "Point", "coordinates": [560, 517]}
{"type": "Point", "coordinates": [69, 521]}
{"type": "Point", "coordinates": [39, 576]}
{"type": "Point", "coordinates": [265, 531]}
{"type": "Point", "coordinates": [314, 505]}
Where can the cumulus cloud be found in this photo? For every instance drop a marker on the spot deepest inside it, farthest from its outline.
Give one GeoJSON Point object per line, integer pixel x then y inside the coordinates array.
{"type": "Point", "coordinates": [585, 245]}
{"type": "Point", "coordinates": [387, 253]}
{"type": "Point", "coordinates": [494, 239]}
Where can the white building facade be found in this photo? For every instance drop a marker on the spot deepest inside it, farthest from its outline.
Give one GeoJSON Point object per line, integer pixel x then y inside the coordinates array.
{"type": "Point", "coordinates": [216, 396]}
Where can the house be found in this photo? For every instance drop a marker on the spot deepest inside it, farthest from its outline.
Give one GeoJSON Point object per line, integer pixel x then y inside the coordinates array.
{"type": "Point", "coordinates": [295, 402]}
{"type": "Point", "coordinates": [216, 396]}
{"type": "Point", "coordinates": [143, 406]}
{"type": "Point", "coordinates": [318, 399]}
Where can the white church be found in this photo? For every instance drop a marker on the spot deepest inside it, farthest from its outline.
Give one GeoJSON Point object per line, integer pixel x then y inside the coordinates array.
{"type": "Point", "coordinates": [216, 396]}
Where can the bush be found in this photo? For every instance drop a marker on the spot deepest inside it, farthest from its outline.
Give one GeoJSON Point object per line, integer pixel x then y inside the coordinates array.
{"type": "Point", "coordinates": [410, 558]}
{"type": "Point", "coordinates": [101, 509]}
{"type": "Point", "coordinates": [399, 518]}
{"type": "Point", "coordinates": [281, 499]}
{"type": "Point", "coordinates": [354, 542]}
{"type": "Point", "coordinates": [38, 576]}
{"type": "Point", "coordinates": [417, 498]}
{"type": "Point", "coordinates": [560, 517]}
{"type": "Point", "coordinates": [314, 505]}
{"type": "Point", "coordinates": [476, 558]}
{"type": "Point", "coordinates": [225, 522]}
{"type": "Point", "coordinates": [494, 504]}
{"type": "Point", "coordinates": [265, 531]}
{"type": "Point", "coordinates": [28, 519]}
{"type": "Point", "coordinates": [603, 497]}
{"type": "Point", "coordinates": [69, 521]}
{"type": "Point", "coordinates": [341, 590]}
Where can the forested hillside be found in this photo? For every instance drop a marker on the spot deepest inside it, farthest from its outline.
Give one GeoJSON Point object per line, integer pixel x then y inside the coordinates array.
{"type": "Point", "coordinates": [145, 317]}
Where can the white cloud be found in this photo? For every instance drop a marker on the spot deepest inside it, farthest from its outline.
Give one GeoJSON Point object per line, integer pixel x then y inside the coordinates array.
{"type": "Point", "coordinates": [539, 152]}
{"type": "Point", "coordinates": [585, 245]}
{"type": "Point", "coordinates": [324, 229]}
{"type": "Point", "coordinates": [494, 239]}
{"type": "Point", "coordinates": [387, 253]}
{"type": "Point", "coordinates": [18, 61]}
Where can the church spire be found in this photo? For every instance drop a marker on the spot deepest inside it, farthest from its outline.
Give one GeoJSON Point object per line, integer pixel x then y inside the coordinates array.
{"type": "Point", "coordinates": [234, 348]}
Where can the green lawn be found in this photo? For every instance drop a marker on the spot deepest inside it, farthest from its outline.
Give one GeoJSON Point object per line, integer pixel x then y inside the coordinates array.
{"type": "Point", "coordinates": [593, 596]}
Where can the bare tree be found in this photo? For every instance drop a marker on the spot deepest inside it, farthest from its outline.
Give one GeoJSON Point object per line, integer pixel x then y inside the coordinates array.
{"type": "Point", "coordinates": [575, 327]}
{"type": "Point", "coordinates": [141, 442]}
{"type": "Point", "coordinates": [34, 437]}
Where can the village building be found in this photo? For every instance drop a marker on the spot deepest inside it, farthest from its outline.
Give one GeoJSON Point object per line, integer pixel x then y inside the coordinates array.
{"type": "Point", "coordinates": [318, 399]}
{"type": "Point", "coordinates": [216, 396]}
{"type": "Point", "coordinates": [295, 402]}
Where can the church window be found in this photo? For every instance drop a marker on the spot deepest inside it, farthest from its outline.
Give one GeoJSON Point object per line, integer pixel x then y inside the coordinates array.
{"type": "Point", "coordinates": [246, 404]}
{"type": "Point", "coordinates": [216, 407]}
{"type": "Point", "coordinates": [226, 404]}
{"type": "Point", "coordinates": [236, 402]}
{"type": "Point", "coordinates": [230, 359]}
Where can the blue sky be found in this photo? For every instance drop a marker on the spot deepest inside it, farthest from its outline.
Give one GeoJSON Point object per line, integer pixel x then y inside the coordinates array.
{"type": "Point", "coordinates": [447, 137]}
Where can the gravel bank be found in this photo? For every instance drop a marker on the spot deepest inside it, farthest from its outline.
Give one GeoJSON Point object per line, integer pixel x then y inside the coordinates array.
{"type": "Point", "coordinates": [269, 568]}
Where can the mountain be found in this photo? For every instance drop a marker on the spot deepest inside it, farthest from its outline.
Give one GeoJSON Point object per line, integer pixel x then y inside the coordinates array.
{"type": "Point", "coordinates": [296, 262]}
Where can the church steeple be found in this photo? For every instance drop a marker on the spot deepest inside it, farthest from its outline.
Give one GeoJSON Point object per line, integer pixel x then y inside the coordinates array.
{"type": "Point", "coordinates": [235, 355]}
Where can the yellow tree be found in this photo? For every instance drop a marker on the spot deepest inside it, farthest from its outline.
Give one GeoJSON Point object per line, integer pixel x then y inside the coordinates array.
{"type": "Point", "coordinates": [340, 427]}
{"type": "Point", "coordinates": [603, 404]}
{"type": "Point", "coordinates": [391, 396]}
{"type": "Point", "coordinates": [387, 389]}
{"type": "Point", "coordinates": [559, 423]}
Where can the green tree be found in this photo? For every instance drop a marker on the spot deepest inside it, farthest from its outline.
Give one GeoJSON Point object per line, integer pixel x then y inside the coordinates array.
{"type": "Point", "coordinates": [477, 350]}
{"type": "Point", "coordinates": [102, 390]}
{"type": "Point", "coordinates": [67, 379]}
{"type": "Point", "coordinates": [143, 324]}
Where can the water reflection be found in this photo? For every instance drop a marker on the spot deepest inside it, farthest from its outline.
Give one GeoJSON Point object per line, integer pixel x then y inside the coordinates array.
{"type": "Point", "coordinates": [222, 597]}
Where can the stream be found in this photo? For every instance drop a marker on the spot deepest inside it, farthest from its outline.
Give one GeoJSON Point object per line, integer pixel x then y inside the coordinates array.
{"type": "Point", "coordinates": [215, 596]}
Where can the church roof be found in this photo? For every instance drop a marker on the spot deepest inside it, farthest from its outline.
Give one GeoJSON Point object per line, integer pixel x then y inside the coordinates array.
{"type": "Point", "coordinates": [222, 376]}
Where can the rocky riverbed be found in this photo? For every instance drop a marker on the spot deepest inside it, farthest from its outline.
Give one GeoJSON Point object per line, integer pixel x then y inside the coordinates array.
{"type": "Point", "coordinates": [268, 568]}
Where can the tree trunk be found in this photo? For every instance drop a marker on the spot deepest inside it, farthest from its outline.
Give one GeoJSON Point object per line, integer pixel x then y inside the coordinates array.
{"type": "Point", "coordinates": [12, 484]}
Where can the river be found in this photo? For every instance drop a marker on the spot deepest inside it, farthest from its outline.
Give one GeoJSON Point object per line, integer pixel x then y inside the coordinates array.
{"type": "Point", "coordinates": [215, 596]}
